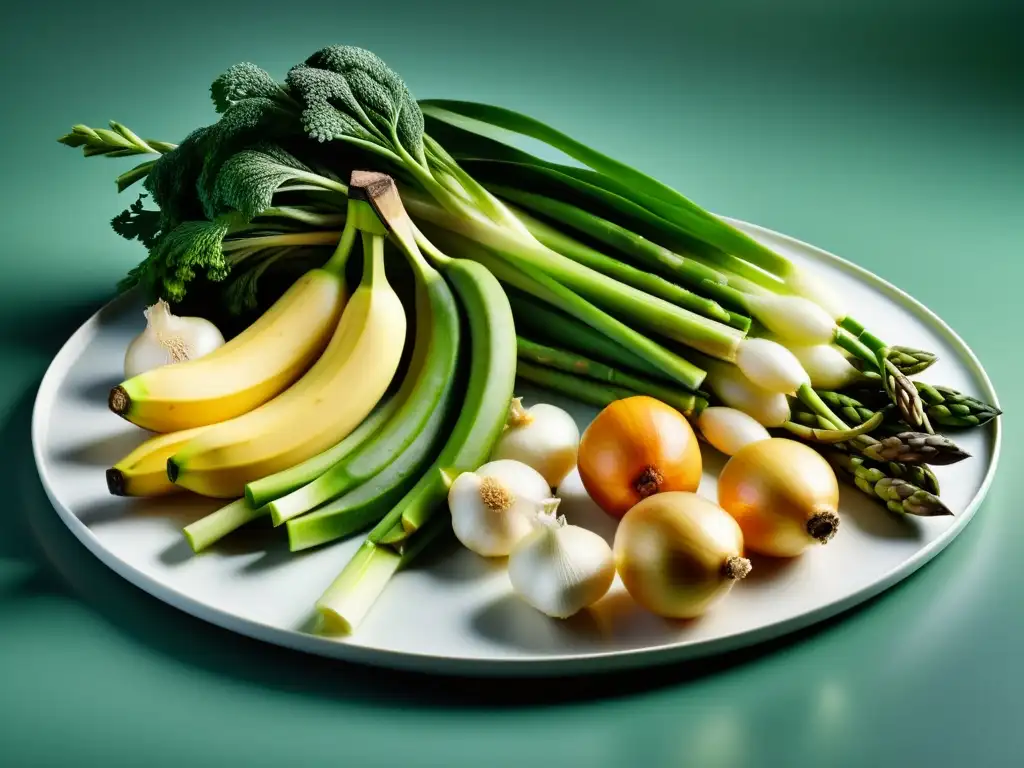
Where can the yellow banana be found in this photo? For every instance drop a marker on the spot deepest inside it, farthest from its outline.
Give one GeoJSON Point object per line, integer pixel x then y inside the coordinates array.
{"type": "Point", "coordinates": [143, 472]}
{"type": "Point", "coordinates": [320, 409]}
{"type": "Point", "coordinates": [250, 369]}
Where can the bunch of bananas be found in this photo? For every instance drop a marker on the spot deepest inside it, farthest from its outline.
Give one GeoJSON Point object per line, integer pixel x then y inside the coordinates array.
{"type": "Point", "coordinates": [294, 418]}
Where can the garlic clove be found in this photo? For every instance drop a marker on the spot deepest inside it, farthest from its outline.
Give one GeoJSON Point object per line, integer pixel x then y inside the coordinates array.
{"type": "Point", "coordinates": [168, 339]}
{"type": "Point", "coordinates": [560, 569]}
{"type": "Point", "coordinates": [493, 508]}
{"type": "Point", "coordinates": [544, 437]}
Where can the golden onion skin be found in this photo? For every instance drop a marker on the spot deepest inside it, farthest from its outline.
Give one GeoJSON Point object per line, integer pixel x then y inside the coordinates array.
{"type": "Point", "coordinates": [783, 494]}
{"type": "Point", "coordinates": [634, 448]}
{"type": "Point", "coordinates": [678, 553]}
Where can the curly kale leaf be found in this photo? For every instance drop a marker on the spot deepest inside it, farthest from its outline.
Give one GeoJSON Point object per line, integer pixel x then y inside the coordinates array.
{"type": "Point", "coordinates": [179, 255]}
{"type": "Point", "coordinates": [248, 180]}
{"type": "Point", "coordinates": [173, 178]}
{"type": "Point", "coordinates": [138, 223]}
{"type": "Point", "coordinates": [349, 92]}
{"type": "Point", "coordinates": [252, 122]}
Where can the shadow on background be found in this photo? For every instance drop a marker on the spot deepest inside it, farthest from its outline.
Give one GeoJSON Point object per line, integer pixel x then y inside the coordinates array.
{"type": "Point", "coordinates": [59, 564]}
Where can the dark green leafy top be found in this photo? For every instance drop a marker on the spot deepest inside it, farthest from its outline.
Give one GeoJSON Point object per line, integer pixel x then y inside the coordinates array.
{"type": "Point", "coordinates": [349, 92]}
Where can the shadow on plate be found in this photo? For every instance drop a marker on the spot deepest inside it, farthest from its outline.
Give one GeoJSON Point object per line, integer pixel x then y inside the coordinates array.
{"type": "Point", "coordinates": [177, 509]}
{"type": "Point", "coordinates": [103, 453]}
{"type": "Point", "coordinates": [511, 622]}
{"type": "Point", "coordinates": [873, 518]}
{"type": "Point", "coordinates": [96, 392]}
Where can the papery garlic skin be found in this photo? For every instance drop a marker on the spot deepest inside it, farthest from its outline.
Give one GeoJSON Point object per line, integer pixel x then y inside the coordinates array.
{"type": "Point", "coordinates": [560, 569]}
{"type": "Point", "coordinates": [544, 437]}
{"type": "Point", "coordinates": [494, 507]}
{"type": "Point", "coordinates": [169, 339]}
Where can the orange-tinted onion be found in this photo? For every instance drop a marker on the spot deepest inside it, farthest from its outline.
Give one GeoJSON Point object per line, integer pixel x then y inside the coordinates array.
{"type": "Point", "coordinates": [636, 447]}
{"type": "Point", "coordinates": [783, 494]}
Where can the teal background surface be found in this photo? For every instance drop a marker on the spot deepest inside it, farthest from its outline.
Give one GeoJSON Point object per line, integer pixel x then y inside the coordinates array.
{"type": "Point", "coordinates": [890, 133]}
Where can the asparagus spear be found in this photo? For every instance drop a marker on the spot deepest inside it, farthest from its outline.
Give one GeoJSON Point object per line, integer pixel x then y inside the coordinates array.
{"type": "Point", "coordinates": [598, 394]}
{"type": "Point", "coordinates": [899, 495]}
{"type": "Point", "coordinates": [553, 326]}
{"type": "Point", "coordinates": [910, 361]}
{"type": "Point", "coordinates": [903, 393]}
{"type": "Point", "coordinates": [950, 408]}
{"type": "Point", "coordinates": [915, 448]}
{"type": "Point", "coordinates": [903, 445]}
{"type": "Point", "coordinates": [685, 402]}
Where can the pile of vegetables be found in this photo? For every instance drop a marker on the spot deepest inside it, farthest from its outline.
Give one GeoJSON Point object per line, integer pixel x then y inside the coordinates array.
{"type": "Point", "coordinates": [333, 403]}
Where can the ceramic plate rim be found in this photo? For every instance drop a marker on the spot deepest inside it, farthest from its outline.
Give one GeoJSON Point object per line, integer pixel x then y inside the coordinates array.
{"type": "Point", "coordinates": [527, 665]}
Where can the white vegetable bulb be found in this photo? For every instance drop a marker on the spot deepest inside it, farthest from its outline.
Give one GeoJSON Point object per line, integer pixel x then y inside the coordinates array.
{"type": "Point", "coordinates": [729, 429]}
{"type": "Point", "coordinates": [770, 366]}
{"type": "Point", "coordinates": [560, 569]}
{"type": "Point", "coordinates": [807, 285]}
{"type": "Point", "coordinates": [770, 409]}
{"type": "Point", "coordinates": [494, 507]}
{"type": "Point", "coordinates": [793, 318]}
{"type": "Point", "coordinates": [827, 367]}
{"type": "Point", "coordinates": [544, 437]}
{"type": "Point", "coordinates": [169, 339]}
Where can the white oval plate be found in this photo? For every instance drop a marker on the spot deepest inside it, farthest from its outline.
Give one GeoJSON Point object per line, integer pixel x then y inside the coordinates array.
{"type": "Point", "coordinates": [457, 614]}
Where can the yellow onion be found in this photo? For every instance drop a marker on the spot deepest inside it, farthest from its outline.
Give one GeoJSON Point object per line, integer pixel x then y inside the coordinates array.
{"type": "Point", "coordinates": [783, 494]}
{"type": "Point", "coordinates": [678, 553]}
{"type": "Point", "coordinates": [635, 448]}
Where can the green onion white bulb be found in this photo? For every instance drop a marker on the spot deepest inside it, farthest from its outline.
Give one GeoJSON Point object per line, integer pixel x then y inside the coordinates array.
{"type": "Point", "coordinates": [770, 409]}
{"type": "Point", "coordinates": [793, 318]}
{"type": "Point", "coordinates": [729, 429]}
{"type": "Point", "coordinates": [770, 365]}
{"type": "Point", "coordinates": [827, 367]}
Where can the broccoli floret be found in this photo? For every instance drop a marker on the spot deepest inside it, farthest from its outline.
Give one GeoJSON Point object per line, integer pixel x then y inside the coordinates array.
{"type": "Point", "coordinates": [349, 91]}
{"type": "Point", "coordinates": [245, 81]}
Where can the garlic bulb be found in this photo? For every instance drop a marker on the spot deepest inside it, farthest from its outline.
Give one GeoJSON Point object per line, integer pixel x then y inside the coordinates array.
{"type": "Point", "coordinates": [771, 409]}
{"type": "Point", "coordinates": [729, 429]}
{"type": "Point", "coordinates": [770, 366]}
{"type": "Point", "coordinates": [543, 437]}
{"type": "Point", "coordinates": [169, 339]}
{"type": "Point", "coordinates": [827, 367]}
{"type": "Point", "coordinates": [560, 569]}
{"type": "Point", "coordinates": [494, 507]}
{"type": "Point", "coordinates": [793, 318]}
